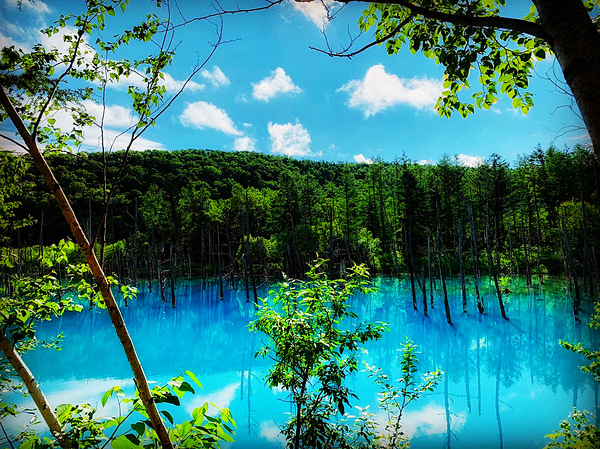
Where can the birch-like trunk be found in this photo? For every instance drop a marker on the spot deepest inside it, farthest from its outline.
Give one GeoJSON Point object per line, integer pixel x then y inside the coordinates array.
{"type": "Point", "coordinates": [99, 276]}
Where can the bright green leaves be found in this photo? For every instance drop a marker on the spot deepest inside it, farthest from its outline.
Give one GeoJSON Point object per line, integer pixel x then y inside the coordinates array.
{"type": "Point", "coordinates": [579, 431]}
{"type": "Point", "coordinates": [114, 390]}
{"type": "Point", "coordinates": [201, 431]}
{"type": "Point", "coordinates": [314, 351]}
{"type": "Point", "coordinates": [504, 60]}
{"type": "Point", "coordinates": [394, 396]}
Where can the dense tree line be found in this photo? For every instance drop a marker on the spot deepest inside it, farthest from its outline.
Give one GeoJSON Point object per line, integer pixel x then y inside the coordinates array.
{"type": "Point", "coordinates": [251, 215]}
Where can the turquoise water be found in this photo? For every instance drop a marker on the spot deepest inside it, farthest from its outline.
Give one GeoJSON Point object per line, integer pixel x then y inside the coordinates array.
{"type": "Point", "coordinates": [507, 383]}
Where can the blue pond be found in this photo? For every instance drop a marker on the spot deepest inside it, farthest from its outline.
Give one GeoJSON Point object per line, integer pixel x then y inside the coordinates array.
{"type": "Point", "coordinates": [507, 383]}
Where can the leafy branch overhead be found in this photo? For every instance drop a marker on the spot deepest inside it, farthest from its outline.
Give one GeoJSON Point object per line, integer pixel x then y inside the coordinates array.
{"type": "Point", "coordinates": [477, 43]}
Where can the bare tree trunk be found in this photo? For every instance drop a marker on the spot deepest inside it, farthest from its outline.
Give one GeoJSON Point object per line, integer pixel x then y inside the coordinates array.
{"type": "Point", "coordinates": [219, 261]}
{"type": "Point", "coordinates": [526, 239]}
{"type": "Point", "coordinates": [575, 41]}
{"type": "Point", "coordinates": [577, 300]}
{"type": "Point", "coordinates": [463, 286]}
{"type": "Point", "coordinates": [135, 245]}
{"type": "Point", "coordinates": [34, 390]}
{"type": "Point", "coordinates": [429, 267]}
{"type": "Point", "coordinates": [99, 276]}
{"type": "Point", "coordinates": [493, 267]}
{"type": "Point", "coordinates": [424, 290]}
{"type": "Point", "coordinates": [172, 275]}
{"type": "Point", "coordinates": [510, 249]}
{"type": "Point", "coordinates": [439, 252]}
{"type": "Point", "coordinates": [475, 257]}
{"type": "Point", "coordinates": [411, 269]}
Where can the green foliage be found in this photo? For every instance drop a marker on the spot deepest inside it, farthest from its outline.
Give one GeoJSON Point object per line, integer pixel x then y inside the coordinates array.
{"type": "Point", "coordinates": [314, 350]}
{"type": "Point", "coordinates": [578, 431]}
{"type": "Point", "coordinates": [394, 397]}
{"type": "Point", "coordinates": [503, 61]}
{"type": "Point", "coordinates": [14, 185]}
{"type": "Point", "coordinates": [32, 300]}
{"type": "Point", "coordinates": [132, 429]}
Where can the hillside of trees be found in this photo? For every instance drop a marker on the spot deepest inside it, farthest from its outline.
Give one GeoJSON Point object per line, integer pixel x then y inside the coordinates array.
{"type": "Point", "coordinates": [251, 216]}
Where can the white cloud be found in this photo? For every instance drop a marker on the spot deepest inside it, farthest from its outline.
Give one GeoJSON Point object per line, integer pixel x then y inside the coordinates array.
{"type": "Point", "coordinates": [114, 115]}
{"type": "Point", "coordinates": [316, 11]}
{"type": "Point", "coordinates": [206, 115]}
{"type": "Point", "coordinates": [221, 398]}
{"type": "Point", "coordinates": [116, 140]}
{"type": "Point", "coordinates": [290, 140]}
{"type": "Point", "coordinates": [171, 84]}
{"type": "Point", "coordinates": [216, 77]}
{"type": "Point", "coordinates": [244, 144]}
{"type": "Point", "coordinates": [8, 41]}
{"type": "Point", "coordinates": [380, 90]}
{"type": "Point", "coordinates": [360, 159]}
{"type": "Point", "coordinates": [115, 134]}
{"type": "Point", "coordinates": [426, 162]}
{"type": "Point", "coordinates": [277, 83]}
{"type": "Point", "coordinates": [468, 161]}
{"type": "Point", "coordinates": [39, 8]}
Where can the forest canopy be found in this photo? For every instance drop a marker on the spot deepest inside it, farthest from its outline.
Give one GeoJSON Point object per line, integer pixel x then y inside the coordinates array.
{"type": "Point", "coordinates": [224, 212]}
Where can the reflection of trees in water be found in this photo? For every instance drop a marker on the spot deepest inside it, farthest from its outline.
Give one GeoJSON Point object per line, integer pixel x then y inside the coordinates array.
{"type": "Point", "coordinates": [199, 334]}
{"type": "Point", "coordinates": [487, 355]}
{"type": "Point", "coordinates": [526, 343]}
{"type": "Point", "coordinates": [484, 356]}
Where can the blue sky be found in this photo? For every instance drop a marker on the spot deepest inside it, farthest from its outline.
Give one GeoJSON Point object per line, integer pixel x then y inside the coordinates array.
{"type": "Point", "coordinates": [266, 90]}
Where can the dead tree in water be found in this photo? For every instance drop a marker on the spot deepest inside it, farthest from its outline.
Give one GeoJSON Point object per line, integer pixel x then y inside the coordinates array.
{"type": "Point", "coordinates": [411, 268]}
{"type": "Point", "coordinates": [429, 267]}
{"type": "Point", "coordinates": [463, 287]}
{"type": "Point", "coordinates": [577, 300]}
{"type": "Point", "coordinates": [475, 257]}
{"type": "Point", "coordinates": [493, 266]}
{"type": "Point", "coordinates": [439, 251]}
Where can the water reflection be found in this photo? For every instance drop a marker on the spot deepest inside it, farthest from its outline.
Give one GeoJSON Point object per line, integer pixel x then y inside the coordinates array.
{"type": "Point", "coordinates": [507, 383]}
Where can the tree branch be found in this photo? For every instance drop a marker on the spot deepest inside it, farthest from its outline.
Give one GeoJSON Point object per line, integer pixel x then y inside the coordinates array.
{"type": "Point", "coordinates": [507, 23]}
{"type": "Point", "coordinates": [381, 40]}
{"type": "Point", "coordinates": [223, 12]}
{"type": "Point", "coordinates": [22, 370]}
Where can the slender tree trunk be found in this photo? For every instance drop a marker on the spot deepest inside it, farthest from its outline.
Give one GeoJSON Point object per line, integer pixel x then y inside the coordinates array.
{"type": "Point", "coordinates": [41, 241]}
{"type": "Point", "coordinates": [424, 290]}
{"type": "Point", "coordinates": [577, 300]}
{"type": "Point", "coordinates": [475, 257]}
{"type": "Point", "coordinates": [429, 267]}
{"type": "Point", "coordinates": [510, 249]}
{"type": "Point", "coordinates": [99, 276]}
{"type": "Point", "coordinates": [411, 269]}
{"type": "Point", "coordinates": [219, 261]}
{"type": "Point", "coordinates": [463, 286]}
{"type": "Point", "coordinates": [439, 252]}
{"type": "Point", "coordinates": [135, 245]}
{"type": "Point", "coordinates": [493, 267]}
{"type": "Point", "coordinates": [526, 240]}
{"type": "Point", "coordinates": [539, 240]}
{"type": "Point", "coordinates": [22, 370]}
{"type": "Point", "coordinates": [172, 275]}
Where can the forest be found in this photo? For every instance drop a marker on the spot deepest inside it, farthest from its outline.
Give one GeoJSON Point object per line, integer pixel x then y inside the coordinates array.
{"type": "Point", "coordinates": [252, 216]}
